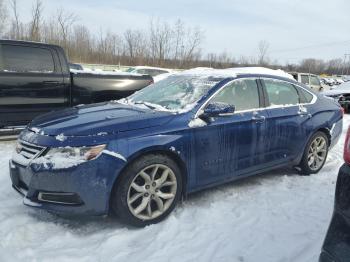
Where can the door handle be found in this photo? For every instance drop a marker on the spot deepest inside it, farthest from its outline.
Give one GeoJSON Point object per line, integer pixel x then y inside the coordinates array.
{"type": "Point", "coordinates": [303, 112]}
{"type": "Point", "coordinates": [258, 119]}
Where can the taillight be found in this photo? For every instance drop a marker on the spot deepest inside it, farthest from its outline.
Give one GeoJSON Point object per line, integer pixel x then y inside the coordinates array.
{"type": "Point", "coordinates": [347, 148]}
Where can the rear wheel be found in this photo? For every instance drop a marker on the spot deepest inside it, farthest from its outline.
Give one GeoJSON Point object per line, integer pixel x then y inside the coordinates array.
{"type": "Point", "coordinates": [315, 154]}
{"type": "Point", "coordinates": [147, 191]}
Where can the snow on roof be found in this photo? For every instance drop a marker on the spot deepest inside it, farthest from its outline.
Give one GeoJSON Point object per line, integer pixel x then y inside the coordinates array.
{"type": "Point", "coordinates": [234, 72]}
{"type": "Point", "coordinates": [102, 72]}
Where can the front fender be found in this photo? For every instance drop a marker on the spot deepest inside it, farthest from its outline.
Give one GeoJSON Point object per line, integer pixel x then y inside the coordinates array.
{"type": "Point", "coordinates": [132, 148]}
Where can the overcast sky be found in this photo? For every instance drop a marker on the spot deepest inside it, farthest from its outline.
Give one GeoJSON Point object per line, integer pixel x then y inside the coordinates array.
{"type": "Point", "coordinates": [295, 29]}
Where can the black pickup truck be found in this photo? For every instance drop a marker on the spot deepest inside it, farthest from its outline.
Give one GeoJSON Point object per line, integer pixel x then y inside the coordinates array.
{"type": "Point", "coordinates": [35, 79]}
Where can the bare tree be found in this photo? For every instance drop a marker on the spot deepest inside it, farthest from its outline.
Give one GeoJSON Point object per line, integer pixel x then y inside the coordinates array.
{"type": "Point", "coordinates": [65, 21]}
{"type": "Point", "coordinates": [263, 49]}
{"type": "Point", "coordinates": [178, 43]}
{"type": "Point", "coordinates": [135, 45]}
{"type": "Point", "coordinates": [3, 16]}
{"type": "Point", "coordinates": [36, 20]}
{"type": "Point", "coordinates": [193, 40]}
{"type": "Point", "coordinates": [160, 40]}
{"type": "Point", "coordinates": [16, 25]}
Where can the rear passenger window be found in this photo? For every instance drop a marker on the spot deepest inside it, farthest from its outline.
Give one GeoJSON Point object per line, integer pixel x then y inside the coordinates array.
{"type": "Point", "coordinates": [307, 97]}
{"type": "Point", "coordinates": [281, 93]}
{"type": "Point", "coordinates": [243, 94]}
{"type": "Point", "coordinates": [23, 59]}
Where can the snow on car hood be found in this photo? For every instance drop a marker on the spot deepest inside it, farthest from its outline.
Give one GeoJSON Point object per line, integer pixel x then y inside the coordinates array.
{"type": "Point", "coordinates": [98, 119]}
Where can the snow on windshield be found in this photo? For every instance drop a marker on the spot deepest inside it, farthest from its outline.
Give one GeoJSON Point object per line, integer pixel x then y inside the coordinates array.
{"type": "Point", "coordinates": [177, 93]}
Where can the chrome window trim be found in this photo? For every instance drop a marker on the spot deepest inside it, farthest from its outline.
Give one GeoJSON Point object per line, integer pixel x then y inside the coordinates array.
{"type": "Point", "coordinates": [313, 101]}
{"type": "Point", "coordinates": [314, 97]}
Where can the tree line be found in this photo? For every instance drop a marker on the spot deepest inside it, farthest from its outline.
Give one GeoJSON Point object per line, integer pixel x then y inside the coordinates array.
{"type": "Point", "coordinates": [161, 44]}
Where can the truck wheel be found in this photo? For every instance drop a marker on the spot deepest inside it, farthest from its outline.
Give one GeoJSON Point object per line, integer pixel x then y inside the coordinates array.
{"type": "Point", "coordinates": [147, 191]}
{"type": "Point", "coordinates": [315, 154]}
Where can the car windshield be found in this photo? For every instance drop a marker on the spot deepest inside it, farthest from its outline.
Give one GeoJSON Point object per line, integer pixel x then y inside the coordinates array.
{"type": "Point", "coordinates": [177, 93]}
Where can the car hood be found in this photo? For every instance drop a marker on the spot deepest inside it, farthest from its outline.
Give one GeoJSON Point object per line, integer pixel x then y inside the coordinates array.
{"type": "Point", "coordinates": [98, 119]}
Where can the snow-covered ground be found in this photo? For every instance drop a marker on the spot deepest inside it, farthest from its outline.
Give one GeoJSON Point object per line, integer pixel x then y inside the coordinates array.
{"type": "Point", "coordinates": [276, 217]}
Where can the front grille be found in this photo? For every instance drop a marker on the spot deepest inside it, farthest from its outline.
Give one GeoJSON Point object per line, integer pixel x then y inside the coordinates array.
{"type": "Point", "coordinates": [29, 151]}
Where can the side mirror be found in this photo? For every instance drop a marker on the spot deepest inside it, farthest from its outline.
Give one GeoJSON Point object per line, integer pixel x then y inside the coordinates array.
{"type": "Point", "coordinates": [217, 109]}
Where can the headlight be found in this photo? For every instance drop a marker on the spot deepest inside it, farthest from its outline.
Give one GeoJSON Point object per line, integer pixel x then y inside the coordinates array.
{"type": "Point", "coordinates": [83, 153]}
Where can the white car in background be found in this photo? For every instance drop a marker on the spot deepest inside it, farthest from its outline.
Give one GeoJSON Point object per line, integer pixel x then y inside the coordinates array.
{"type": "Point", "coordinates": [311, 80]}
{"type": "Point", "coordinates": [147, 70]}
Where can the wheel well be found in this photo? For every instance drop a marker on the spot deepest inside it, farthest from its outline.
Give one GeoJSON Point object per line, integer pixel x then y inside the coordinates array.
{"type": "Point", "coordinates": [327, 132]}
{"type": "Point", "coordinates": [169, 154]}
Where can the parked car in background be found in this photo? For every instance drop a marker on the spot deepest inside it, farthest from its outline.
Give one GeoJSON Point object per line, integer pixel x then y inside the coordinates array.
{"type": "Point", "coordinates": [75, 67]}
{"type": "Point", "coordinates": [35, 78]}
{"type": "Point", "coordinates": [327, 81]}
{"type": "Point", "coordinates": [138, 156]}
{"type": "Point", "coordinates": [346, 78]}
{"type": "Point", "coordinates": [341, 94]}
{"type": "Point", "coordinates": [336, 246]}
{"type": "Point", "coordinates": [312, 81]}
{"type": "Point", "coordinates": [339, 81]}
{"type": "Point", "coordinates": [152, 71]}
{"type": "Point", "coordinates": [161, 77]}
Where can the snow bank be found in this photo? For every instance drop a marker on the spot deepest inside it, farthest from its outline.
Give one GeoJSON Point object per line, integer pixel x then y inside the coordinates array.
{"type": "Point", "coordinates": [278, 216]}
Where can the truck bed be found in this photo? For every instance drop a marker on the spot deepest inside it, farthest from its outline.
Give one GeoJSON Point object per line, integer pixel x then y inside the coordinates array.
{"type": "Point", "coordinates": [91, 87]}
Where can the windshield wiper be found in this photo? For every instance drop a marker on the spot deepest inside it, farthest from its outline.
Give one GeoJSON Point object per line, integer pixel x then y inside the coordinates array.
{"type": "Point", "coordinates": [146, 104]}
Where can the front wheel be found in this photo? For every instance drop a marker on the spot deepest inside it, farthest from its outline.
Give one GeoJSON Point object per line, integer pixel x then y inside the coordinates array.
{"type": "Point", "coordinates": [147, 191]}
{"type": "Point", "coordinates": [315, 154]}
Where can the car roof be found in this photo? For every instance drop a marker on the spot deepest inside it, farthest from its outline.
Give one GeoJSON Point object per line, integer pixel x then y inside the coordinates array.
{"type": "Point", "coordinates": [14, 42]}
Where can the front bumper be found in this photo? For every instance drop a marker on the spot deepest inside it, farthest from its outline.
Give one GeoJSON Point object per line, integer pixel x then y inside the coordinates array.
{"type": "Point", "coordinates": [80, 190]}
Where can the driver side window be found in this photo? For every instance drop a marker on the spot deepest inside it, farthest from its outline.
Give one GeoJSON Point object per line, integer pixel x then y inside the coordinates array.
{"type": "Point", "coordinates": [243, 94]}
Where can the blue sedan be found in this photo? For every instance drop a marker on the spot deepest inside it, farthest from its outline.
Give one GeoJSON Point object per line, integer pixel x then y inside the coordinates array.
{"type": "Point", "coordinates": [137, 157]}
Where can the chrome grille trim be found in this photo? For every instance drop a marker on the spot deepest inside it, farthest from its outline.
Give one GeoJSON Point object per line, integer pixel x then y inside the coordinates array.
{"type": "Point", "coordinates": [27, 153]}
{"type": "Point", "coordinates": [30, 151]}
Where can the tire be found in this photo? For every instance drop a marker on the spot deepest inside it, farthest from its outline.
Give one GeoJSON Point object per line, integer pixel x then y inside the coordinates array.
{"type": "Point", "coordinates": [309, 164]}
{"type": "Point", "coordinates": [147, 191]}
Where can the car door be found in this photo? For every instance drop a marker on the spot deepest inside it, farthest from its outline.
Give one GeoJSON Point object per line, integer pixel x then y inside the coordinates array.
{"type": "Point", "coordinates": [288, 121]}
{"type": "Point", "coordinates": [228, 145]}
{"type": "Point", "coordinates": [31, 83]}
{"type": "Point", "coordinates": [315, 83]}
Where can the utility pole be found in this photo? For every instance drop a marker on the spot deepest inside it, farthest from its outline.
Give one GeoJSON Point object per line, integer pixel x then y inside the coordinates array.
{"type": "Point", "coordinates": [347, 67]}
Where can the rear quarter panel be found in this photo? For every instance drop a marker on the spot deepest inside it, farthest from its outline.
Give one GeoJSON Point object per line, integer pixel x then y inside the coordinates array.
{"type": "Point", "coordinates": [327, 115]}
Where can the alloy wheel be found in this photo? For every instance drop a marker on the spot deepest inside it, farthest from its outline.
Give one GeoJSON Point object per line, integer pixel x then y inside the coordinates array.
{"type": "Point", "coordinates": [317, 153]}
{"type": "Point", "coordinates": [152, 192]}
